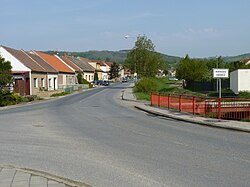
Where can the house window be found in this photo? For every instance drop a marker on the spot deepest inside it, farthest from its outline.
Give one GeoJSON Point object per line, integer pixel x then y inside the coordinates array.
{"type": "Point", "coordinates": [86, 77]}
{"type": "Point", "coordinates": [89, 77]}
{"type": "Point", "coordinates": [35, 83]}
{"type": "Point", "coordinates": [42, 83]}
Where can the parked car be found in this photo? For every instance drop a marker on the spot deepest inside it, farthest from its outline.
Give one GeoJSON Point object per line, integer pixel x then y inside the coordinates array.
{"type": "Point", "coordinates": [105, 83]}
{"type": "Point", "coordinates": [124, 80]}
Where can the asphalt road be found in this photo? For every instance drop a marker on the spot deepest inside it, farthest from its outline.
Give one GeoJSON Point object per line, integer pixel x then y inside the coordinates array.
{"type": "Point", "coordinates": [96, 138]}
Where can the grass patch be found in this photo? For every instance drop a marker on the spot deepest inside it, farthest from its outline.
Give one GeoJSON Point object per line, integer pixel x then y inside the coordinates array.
{"type": "Point", "coordinates": [144, 87]}
{"type": "Point", "coordinates": [59, 94]}
{"type": "Point", "coordinates": [142, 96]}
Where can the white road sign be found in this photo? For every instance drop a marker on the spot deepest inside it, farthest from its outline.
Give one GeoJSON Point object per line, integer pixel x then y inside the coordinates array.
{"type": "Point", "coordinates": [220, 73]}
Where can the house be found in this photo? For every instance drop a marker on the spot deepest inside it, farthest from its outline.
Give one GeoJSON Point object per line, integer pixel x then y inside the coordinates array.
{"type": "Point", "coordinates": [66, 74]}
{"type": "Point", "coordinates": [97, 66]}
{"type": "Point", "coordinates": [105, 70]}
{"type": "Point", "coordinates": [239, 80]}
{"type": "Point", "coordinates": [21, 74]}
{"type": "Point", "coordinates": [76, 68]}
{"type": "Point", "coordinates": [87, 70]}
{"type": "Point", "coordinates": [247, 61]}
{"type": "Point", "coordinates": [32, 79]}
{"type": "Point", "coordinates": [52, 74]}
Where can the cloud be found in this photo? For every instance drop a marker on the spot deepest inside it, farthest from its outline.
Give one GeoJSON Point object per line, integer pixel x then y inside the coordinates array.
{"type": "Point", "coordinates": [201, 31]}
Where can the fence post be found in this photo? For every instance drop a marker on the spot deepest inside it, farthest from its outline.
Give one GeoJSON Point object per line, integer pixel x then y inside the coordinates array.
{"type": "Point", "coordinates": [151, 96]}
{"type": "Point", "coordinates": [194, 105]}
{"type": "Point", "coordinates": [168, 100]}
{"type": "Point", "coordinates": [180, 103]}
{"type": "Point", "coordinates": [159, 100]}
{"type": "Point", "coordinates": [219, 109]}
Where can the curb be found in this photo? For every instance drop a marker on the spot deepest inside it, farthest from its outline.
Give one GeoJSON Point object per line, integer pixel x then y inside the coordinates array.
{"type": "Point", "coordinates": [62, 180]}
{"type": "Point", "coordinates": [221, 126]}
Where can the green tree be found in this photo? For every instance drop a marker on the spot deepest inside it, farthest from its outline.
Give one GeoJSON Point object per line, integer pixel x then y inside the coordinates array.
{"type": "Point", "coordinates": [80, 78]}
{"type": "Point", "coordinates": [96, 76]}
{"type": "Point", "coordinates": [114, 71]}
{"type": "Point", "coordinates": [237, 65]}
{"type": "Point", "coordinates": [143, 59]}
{"type": "Point", "coordinates": [5, 73]}
{"type": "Point", "coordinates": [192, 69]}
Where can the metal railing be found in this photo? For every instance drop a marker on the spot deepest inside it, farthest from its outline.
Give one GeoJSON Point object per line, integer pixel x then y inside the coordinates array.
{"type": "Point", "coordinates": [221, 108]}
{"type": "Point", "coordinates": [73, 87]}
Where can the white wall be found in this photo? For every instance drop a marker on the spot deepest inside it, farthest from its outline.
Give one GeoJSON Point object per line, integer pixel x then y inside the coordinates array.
{"type": "Point", "coordinates": [105, 76]}
{"type": "Point", "coordinates": [244, 80]}
{"type": "Point", "coordinates": [51, 77]}
{"type": "Point", "coordinates": [234, 81]}
{"type": "Point", "coordinates": [16, 64]}
{"type": "Point", "coordinates": [240, 80]}
{"type": "Point", "coordinates": [88, 76]}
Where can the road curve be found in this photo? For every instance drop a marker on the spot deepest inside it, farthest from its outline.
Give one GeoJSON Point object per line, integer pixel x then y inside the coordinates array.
{"type": "Point", "coordinates": [96, 138]}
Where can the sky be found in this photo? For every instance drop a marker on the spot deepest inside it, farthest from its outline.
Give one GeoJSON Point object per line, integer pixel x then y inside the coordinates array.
{"type": "Point", "coordinates": [199, 28]}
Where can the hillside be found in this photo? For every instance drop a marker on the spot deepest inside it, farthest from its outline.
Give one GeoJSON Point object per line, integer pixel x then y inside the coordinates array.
{"type": "Point", "coordinates": [117, 56]}
{"type": "Point", "coordinates": [229, 59]}
{"type": "Point", "coordinates": [120, 56]}
{"type": "Point", "coordinates": [114, 56]}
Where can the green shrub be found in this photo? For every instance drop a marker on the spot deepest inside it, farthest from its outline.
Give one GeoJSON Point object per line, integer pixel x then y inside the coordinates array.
{"type": "Point", "coordinates": [8, 98]}
{"type": "Point", "coordinates": [30, 98]}
{"type": "Point", "coordinates": [146, 85]}
{"type": "Point", "coordinates": [244, 94]}
{"type": "Point", "coordinates": [59, 94]}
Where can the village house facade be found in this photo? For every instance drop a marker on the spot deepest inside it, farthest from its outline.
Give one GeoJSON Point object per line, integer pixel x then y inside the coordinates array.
{"type": "Point", "coordinates": [31, 74]}
{"type": "Point", "coordinates": [66, 74]}
{"type": "Point", "coordinates": [87, 70]}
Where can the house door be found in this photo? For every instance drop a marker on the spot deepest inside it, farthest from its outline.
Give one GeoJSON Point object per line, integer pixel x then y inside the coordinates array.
{"type": "Point", "coordinates": [27, 86]}
{"type": "Point", "coordinates": [19, 87]}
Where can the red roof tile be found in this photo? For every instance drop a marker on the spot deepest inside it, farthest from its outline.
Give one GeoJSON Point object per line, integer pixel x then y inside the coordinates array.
{"type": "Point", "coordinates": [55, 62]}
{"type": "Point", "coordinates": [71, 64]}
{"type": "Point", "coordinates": [109, 63]}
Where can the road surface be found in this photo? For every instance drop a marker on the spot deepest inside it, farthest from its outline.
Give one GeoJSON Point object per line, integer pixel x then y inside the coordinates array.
{"type": "Point", "coordinates": [96, 138]}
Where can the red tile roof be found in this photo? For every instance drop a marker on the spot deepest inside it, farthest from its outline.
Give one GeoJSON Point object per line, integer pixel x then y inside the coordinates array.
{"type": "Point", "coordinates": [99, 62]}
{"type": "Point", "coordinates": [40, 61]}
{"type": "Point", "coordinates": [71, 64]}
{"type": "Point", "coordinates": [55, 62]}
{"type": "Point", "coordinates": [109, 63]}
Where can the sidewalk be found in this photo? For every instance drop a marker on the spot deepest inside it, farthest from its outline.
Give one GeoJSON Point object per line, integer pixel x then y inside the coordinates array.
{"type": "Point", "coordinates": [128, 95]}
{"type": "Point", "coordinates": [17, 177]}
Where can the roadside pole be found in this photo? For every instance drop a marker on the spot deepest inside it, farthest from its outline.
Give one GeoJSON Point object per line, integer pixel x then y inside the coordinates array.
{"type": "Point", "coordinates": [219, 74]}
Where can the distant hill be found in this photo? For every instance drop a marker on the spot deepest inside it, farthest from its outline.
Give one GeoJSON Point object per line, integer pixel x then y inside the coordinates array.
{"type": "Point", "coordinates": [113, 56]}
{"type": "Point", "coordinates": [120, 56]}
{"type": "Point", "coordinates": [229, 59]}
{"type": "Point", "coordinates": [117, 56]}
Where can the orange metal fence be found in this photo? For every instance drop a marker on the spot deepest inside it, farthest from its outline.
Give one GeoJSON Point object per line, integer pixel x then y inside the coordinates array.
{"type": "Point", "coordinates": [221, 108]}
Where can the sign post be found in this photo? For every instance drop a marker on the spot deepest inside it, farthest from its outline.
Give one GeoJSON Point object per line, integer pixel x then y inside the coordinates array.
{"type": "Point", "coordinates": [220, 74]}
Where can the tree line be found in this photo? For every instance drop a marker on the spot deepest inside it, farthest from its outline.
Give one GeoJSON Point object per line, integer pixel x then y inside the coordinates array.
{"type": "Point", "coordinates": [201, 70]}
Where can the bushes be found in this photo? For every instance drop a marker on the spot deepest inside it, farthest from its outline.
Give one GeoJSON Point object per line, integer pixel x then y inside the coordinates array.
{"type": "Point", "coordinates": [60, 94]}
{"type": "Point", "coordinates": [146, 85]}
{"type": "Point", "coordinates": [244, 94]}
{"type": "Point", "coordinates": [7, 98]}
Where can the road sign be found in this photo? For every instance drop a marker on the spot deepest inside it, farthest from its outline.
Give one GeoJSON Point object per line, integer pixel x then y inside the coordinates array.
{"type": "Point", "coordinates": [220, 73]}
